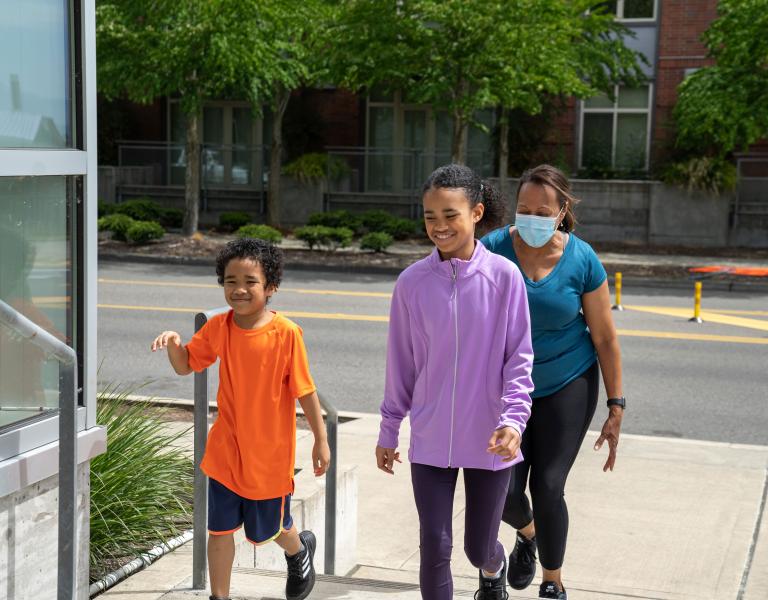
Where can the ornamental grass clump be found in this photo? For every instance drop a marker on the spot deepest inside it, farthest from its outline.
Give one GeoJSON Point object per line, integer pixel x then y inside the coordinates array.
{"type": "Point", "coordinates": [141, 488]}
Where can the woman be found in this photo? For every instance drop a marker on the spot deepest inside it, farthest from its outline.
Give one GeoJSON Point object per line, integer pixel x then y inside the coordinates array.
{"type": "Point", "coordinates": [573, 340]}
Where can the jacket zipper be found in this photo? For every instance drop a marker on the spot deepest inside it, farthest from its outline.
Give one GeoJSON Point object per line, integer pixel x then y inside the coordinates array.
{"type": "Point", "coordinates": [454, 297]}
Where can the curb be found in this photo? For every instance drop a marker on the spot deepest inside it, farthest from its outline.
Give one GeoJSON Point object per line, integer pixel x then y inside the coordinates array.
{"type": "Point", "coordinates": [655, 282]}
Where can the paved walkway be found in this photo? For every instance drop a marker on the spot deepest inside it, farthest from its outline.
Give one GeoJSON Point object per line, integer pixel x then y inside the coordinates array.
{"type": "Point", "coordinates": [675, 521]}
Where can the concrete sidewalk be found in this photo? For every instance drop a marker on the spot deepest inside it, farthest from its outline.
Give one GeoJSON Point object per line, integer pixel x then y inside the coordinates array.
{"type": "Point", "coordinates": [676, 521]}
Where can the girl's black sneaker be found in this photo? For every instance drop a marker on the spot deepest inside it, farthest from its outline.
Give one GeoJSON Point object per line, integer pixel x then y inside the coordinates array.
{"type": "Point", "coordinates": [549, 589]}
{"type": "Point", "coordinates": [522, 563]}
{"type": "Point", "coordinates": [493, 588]}
{"type": "Point", "coordinates": [301, 569]}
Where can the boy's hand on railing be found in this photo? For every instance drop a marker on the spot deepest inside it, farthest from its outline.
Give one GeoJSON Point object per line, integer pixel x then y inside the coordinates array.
{"type": "Point", "coordinates": [166, 338]}
{"type": "Point", "coordinates": [321, 457]}
{"type": "Point", "coordinates": [386, 459]}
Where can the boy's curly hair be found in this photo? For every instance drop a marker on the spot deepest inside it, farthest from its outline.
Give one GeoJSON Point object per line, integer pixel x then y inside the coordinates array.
{"type": "Point", "coordinates": [269, 256]}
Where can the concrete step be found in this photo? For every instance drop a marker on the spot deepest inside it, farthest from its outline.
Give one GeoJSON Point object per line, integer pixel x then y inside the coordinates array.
{"type": "Point", "coordinates": [260, 584]}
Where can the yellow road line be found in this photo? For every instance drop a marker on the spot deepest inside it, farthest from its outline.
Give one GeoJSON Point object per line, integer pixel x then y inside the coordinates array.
{"type": "Point", "coordinates": [286, 313]}
{"type": "Point", "coordinates": [746, 313]}
{"type": "Point", "coordinates": [712, 317]}
{"type": "Point", "coordinates": [212, 286]}
{"type": "Point", "coordinates": [669, 335]}
{"type": "Point", "coordinates": [696, 337]}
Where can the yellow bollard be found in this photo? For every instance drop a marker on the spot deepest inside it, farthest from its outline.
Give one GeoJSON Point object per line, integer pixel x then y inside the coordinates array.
{"type": "Point", "coordinates": [617, 285]}
{"type": "Point", "coordinates": [696, 318]}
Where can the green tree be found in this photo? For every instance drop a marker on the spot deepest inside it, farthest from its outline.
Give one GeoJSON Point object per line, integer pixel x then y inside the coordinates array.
{"type": "Point", "coordinates": [725, 106]}
{"type": "Point", "coordinates": [197, 49]}
{"type": "Point", "coordinates": [461, 56]}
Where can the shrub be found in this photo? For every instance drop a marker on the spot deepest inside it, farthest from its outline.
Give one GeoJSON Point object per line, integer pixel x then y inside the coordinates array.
{"type": "Point", "coordinates": [376, 241]}
{"type": "Point", "coordinates": [336, 218]}
{"type": "Point", "coordinates": [142, 232]}
{"type": "Point", "coordinates": [381, 221]}
{"type": "Point", "coordinates": [315, 166]}
{"type": "Point", "coordinates": [141, 209]}
{"type": "Point", "coordinates": [330, 238]}
{"type": "Point", "coordinates": [117, 223]}
{"type": "Point", "coordinates": [401, 229]}
{"type": "Point", "coordinates": [106, 208]}
{"type": "Point", "coordinates": [141, 487]}
{"type": "Point", "coordinates": [232, 221]}
{"type": "Point", "coordinates": [705, 173]}
{"type": "Point", "coordinates": [262, 232]}
{"type": "Point", "coordinates": [172, 217]}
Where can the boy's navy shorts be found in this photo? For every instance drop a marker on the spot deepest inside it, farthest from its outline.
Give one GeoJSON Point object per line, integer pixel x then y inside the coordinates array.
{"type": "Point", "coordinates": [263, 520]}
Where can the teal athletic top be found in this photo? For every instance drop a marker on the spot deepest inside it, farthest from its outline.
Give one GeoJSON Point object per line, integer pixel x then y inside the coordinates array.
{"type": "Point", "coordinates": [562, 346]}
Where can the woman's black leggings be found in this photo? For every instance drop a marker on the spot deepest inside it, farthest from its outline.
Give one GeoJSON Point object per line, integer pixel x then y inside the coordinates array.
{"type": "Point", "coordinates": [550, 444]}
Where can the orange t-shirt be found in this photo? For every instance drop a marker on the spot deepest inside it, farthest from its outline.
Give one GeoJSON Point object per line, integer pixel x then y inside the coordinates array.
{"type": "Point", "coordinates": [252, 445]}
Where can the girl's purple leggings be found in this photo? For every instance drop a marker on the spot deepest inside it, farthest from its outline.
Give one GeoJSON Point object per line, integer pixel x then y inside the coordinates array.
{"type": "Point", "coordinates": [433, 488]}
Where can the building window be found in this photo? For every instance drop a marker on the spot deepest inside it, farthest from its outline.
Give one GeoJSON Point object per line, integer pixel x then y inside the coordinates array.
{"type": "Point", "coordinates": [615, 133]}
{"type": "Point", "coordinates": [36, 280]}
{"type": "Point", "coordinates": [406, 141]}
{"type": "Point", "coordinates": [233, 145]}
{"type": "Point", "coordinates": [633, 10]}
{"type": "Point", "coordinates": [35, 75]}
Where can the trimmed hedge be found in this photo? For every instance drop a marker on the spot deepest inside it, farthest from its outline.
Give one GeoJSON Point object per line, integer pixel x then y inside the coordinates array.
{"type": "Point", "coordinates": [330, 238]}
{"type": "Point", "coordinates": [336, 218]}
{"type": "Point", "coordinates": [261, 232]}
{"type": "Point", "coordinates": [233, 221]}
{"type": "Point", "coordinates": [172, 217]}
{"type": "Point", "coordinates": [142, 232]}
{"type": "Point", "coordinates": [117, 223]}
{"type": "Point", "coordinates": [141, 209]}
{"type": "Point", "coordinates": [377, 241]}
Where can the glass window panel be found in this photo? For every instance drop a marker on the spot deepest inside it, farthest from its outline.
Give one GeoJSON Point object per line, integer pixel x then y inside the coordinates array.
{"type": "Point", "coordinates": [480, 144]}
{"type": "Point", "coordinates": [638, 9]}
{"type": "Point", "coordinates": [443, 137]}
{"type": "Point", "coordinates": [631, 136]}
{"type": "Point", "coordinates": [212, 158]}
{"type": "Point", "coordinates": [177, 160]}
{"type": "Point", "coordinates": [633, 97]}
{"type": "Point", "coordinates": [596, 145]}
{"type": "Point", "coordinates": [379, 94]}
{"type": "Point", "coordinates": [599, 101]}
{"type": "Point", "coordinates": [35, 280]}
{"type": "Point", "coordinates": [414, 144]}
{"type": "Point", "coordinates": [35, 74]}
{"type": "Point", "coordinates": [381, 140]}
{"type": "Point", "coordinates": [243, 154]}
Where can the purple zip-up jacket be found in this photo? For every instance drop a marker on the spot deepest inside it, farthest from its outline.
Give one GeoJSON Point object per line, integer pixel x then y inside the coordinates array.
{"type": "Point", "coordinates": [459, 359]}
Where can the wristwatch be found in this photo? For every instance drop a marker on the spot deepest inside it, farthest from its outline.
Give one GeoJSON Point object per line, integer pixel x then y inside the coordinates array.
{"type": "Point", "coordinates": [617, 402]}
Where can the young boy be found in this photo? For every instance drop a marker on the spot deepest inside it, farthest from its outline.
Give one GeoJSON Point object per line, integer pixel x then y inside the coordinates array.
{"type": "Point", "coordinates": [252, 445]}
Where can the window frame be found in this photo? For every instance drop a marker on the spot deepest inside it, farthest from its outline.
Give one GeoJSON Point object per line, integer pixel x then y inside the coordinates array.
{"type": "Point", "coordinates": [36, 436]}
{"type": "Point", "coordinates": [620, 14]}
{"type": "Point", "coordinates": [615, 111]}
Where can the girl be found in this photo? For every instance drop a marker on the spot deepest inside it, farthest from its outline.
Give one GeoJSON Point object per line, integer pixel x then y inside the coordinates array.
{"type": "Point", "coordinates": [573, 332]}
{"type": "Point", "coordinates": [459, 360]}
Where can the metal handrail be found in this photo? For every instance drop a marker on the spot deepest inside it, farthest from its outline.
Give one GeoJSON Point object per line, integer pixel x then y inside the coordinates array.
{"type": "Point", "coordinates": [67, 357]}
{"type": "Point", "coordinates": [200, 516]}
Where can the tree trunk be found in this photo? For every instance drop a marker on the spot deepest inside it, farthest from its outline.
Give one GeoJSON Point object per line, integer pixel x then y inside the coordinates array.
{"type": "Point", "coordinates": [192, 175]}
{"type": "Point", "coordinates": [504, 152]}
{"type": "Point", "coordinates": [275, 156]}
{"type": "Point", "coordinates": [458, 143]}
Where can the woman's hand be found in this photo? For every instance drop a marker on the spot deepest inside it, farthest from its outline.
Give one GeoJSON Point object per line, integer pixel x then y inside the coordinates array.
{"type": "Point", "coordinates": [505, 442]}
{"type": "Point", "coordinates": [386, 459]}
{"type": "Point", "coordinates": [610, 433]}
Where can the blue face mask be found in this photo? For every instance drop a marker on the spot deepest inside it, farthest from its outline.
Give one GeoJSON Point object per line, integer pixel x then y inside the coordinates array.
{"type": "Point", "coordinates": [535, 231]}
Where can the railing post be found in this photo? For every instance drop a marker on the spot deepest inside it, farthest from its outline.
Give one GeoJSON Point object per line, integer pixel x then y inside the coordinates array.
{"type": "Point", "coordinates": [331, 483]}
{"type": "Point", "coordinates": [200, 512]}
{"type": "Point", "coordinates": [67, 575]}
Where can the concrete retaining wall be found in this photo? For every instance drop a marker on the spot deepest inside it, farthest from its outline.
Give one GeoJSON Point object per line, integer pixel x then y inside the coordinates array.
{"type": "Point", "coordinates": [308, 510]}
{"type": "Point", "coordinates": [29, 533]}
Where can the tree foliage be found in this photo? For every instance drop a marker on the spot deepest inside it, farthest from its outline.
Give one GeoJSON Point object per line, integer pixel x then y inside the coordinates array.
{"type": "Point", "coordinates": [463, 56]}
{"type": "Point", "coordinates": [725, 106]}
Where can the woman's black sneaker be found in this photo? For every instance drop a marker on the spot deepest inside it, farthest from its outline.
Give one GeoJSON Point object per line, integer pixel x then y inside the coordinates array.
{"type": "Point", "coordinates": [301, 569]}
{"type": "Point", "coordinates": [522, 563]}
{"type": "Point", "coordinates": [549, 589]}
{"type": "Point", "coordinates": [493, 588]}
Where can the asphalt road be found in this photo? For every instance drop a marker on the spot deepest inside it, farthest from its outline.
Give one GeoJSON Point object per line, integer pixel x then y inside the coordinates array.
{"type": "Point", "coordinates": [700, 381]}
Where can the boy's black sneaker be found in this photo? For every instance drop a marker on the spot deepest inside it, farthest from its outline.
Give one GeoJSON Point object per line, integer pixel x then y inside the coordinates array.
{"type": "Point", "coordinates": [522, 563]}
{"type": "Point", "coordinates": [301, 569]}
{"type": "Point", "coordinates": [549, 589]}
{"type": "Point", "coordinates": [493, 589]}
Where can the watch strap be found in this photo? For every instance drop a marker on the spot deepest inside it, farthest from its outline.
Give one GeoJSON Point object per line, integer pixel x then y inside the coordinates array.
{"type": "Point", "coordinates": [617, 402]}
